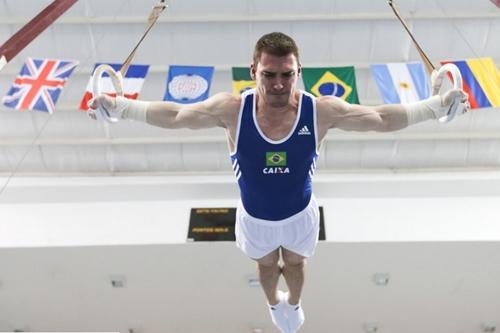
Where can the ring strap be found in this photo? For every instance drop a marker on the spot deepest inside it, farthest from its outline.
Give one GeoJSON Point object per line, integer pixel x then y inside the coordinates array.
{"type": "Point", "coordinates": [153, 17]}
{"type": "Point", "coordinates": [428, 64]}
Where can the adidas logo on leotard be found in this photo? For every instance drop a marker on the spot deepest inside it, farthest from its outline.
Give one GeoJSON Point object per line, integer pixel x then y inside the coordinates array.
{"type": "Point", "coordinates": [304, 131]}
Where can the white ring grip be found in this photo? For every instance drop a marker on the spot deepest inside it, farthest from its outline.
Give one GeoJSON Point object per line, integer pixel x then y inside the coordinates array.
{"type": "Point", "coordinates": [116, 80]}
{"type": "Point", "coordinates": [437, 80]}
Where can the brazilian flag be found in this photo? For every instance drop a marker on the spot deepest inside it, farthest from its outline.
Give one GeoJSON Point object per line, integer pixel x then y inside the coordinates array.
{"type": "Point", "coordinates": [275, 159]}
{"type": "Point", "coordinates": [242, 80]}
{"type": "Point", "coordinates": [336, 81]}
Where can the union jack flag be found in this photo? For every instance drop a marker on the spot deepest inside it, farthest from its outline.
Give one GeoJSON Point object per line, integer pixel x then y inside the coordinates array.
{"type": "Point", "coordinates": [39, 84]}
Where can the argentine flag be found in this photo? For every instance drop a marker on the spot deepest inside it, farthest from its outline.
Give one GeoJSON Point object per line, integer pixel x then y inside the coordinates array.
{"type": "Point", "coordinates": [401, 83]}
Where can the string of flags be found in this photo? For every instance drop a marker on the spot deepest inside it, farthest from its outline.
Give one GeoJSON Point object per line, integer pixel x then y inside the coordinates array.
{"type": "Point", "coordinates": [40, 83]}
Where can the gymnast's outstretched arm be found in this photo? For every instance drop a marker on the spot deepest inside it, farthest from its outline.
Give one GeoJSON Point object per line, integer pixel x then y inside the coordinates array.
{"type": "Point", "coordinates": [216, 111]}
{"type": "Point", "coordinates": [336, 113]}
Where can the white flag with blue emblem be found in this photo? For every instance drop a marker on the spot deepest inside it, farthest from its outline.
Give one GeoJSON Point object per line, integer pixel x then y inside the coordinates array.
{"type": "Point", "coordinates": [188, 84]}
{"type": "Point", "coordinates": [401, 83]}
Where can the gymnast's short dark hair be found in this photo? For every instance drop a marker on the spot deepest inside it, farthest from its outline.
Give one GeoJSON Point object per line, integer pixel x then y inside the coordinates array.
{"type": "Point", "coordinates": [275, 43]}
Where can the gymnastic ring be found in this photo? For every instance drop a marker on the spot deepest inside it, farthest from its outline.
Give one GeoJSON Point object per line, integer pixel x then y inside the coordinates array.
{"type": "Point", "coordinates": [437, 80]}
{"type": "Point", "coordinates": [116, 80]}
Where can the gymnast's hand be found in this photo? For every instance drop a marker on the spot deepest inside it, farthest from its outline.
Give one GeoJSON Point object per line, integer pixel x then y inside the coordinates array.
{"type": "Point", "coordinates": [113, 109]}
{"type": "Point", "coordinates": [444, 107]}
{"type": "Point", "coordinates": [451, 98]}
{"type": "Point", "coordinates": [104, 106]}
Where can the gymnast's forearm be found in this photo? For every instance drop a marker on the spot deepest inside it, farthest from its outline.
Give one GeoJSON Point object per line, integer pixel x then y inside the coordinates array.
{"type": "Point", "coordinates": [161, 114]}
{"type": "Point", "coordinates": [435, 107]}
{"type": "Point", "coordinates": [393, 117]}
{"type": "Point", "coordinates": [171, 115]}
{"type": "Point", "coordinates": [398, 116]}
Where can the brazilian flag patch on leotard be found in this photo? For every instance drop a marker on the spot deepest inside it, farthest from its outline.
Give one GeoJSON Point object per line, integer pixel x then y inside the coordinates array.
{"type": "Point", "coordinates": [276, 158]}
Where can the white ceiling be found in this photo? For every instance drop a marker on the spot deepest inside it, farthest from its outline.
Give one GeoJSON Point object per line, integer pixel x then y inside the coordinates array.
{"type": "Point", "coordinates": [222, 33]}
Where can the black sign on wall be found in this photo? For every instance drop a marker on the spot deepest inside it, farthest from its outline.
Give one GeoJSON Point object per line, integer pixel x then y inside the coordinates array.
{"type": "Point", "coordinates": [217, 224]}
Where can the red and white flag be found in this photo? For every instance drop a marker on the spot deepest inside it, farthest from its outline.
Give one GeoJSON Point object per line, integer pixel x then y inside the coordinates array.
{"type": "Point", "coordinates": [132, 83]}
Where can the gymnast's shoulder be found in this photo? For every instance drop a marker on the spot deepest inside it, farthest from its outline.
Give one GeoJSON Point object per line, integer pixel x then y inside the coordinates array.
{"type": "Point", "coordinates": [223, 102]}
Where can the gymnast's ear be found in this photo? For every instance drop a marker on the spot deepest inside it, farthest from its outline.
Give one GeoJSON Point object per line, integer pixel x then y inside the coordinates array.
{"type": "Point", "coordinates": [253, 71]}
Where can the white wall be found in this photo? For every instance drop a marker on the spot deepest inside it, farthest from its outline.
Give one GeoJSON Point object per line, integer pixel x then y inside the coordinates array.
{"type": "Point", "coordinates": [155, 210]}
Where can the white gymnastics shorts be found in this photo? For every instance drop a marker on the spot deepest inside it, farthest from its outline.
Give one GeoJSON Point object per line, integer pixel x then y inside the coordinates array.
{"type": "Point", "coordinates": [297, 233]}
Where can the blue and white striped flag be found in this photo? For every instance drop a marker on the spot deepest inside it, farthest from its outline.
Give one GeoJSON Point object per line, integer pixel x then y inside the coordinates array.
{"type": "Point", "coordinates": [401, 83]}
{"type": "Point", "coordinates": [188, 84]}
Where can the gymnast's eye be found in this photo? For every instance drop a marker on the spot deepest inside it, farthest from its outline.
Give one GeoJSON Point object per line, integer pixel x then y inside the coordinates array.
{"type": "Point", "coordinates": [269, 75]}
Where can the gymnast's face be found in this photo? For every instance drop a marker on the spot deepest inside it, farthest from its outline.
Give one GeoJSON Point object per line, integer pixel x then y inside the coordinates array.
{"type": "Point", "coordinates": [276, 78]}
